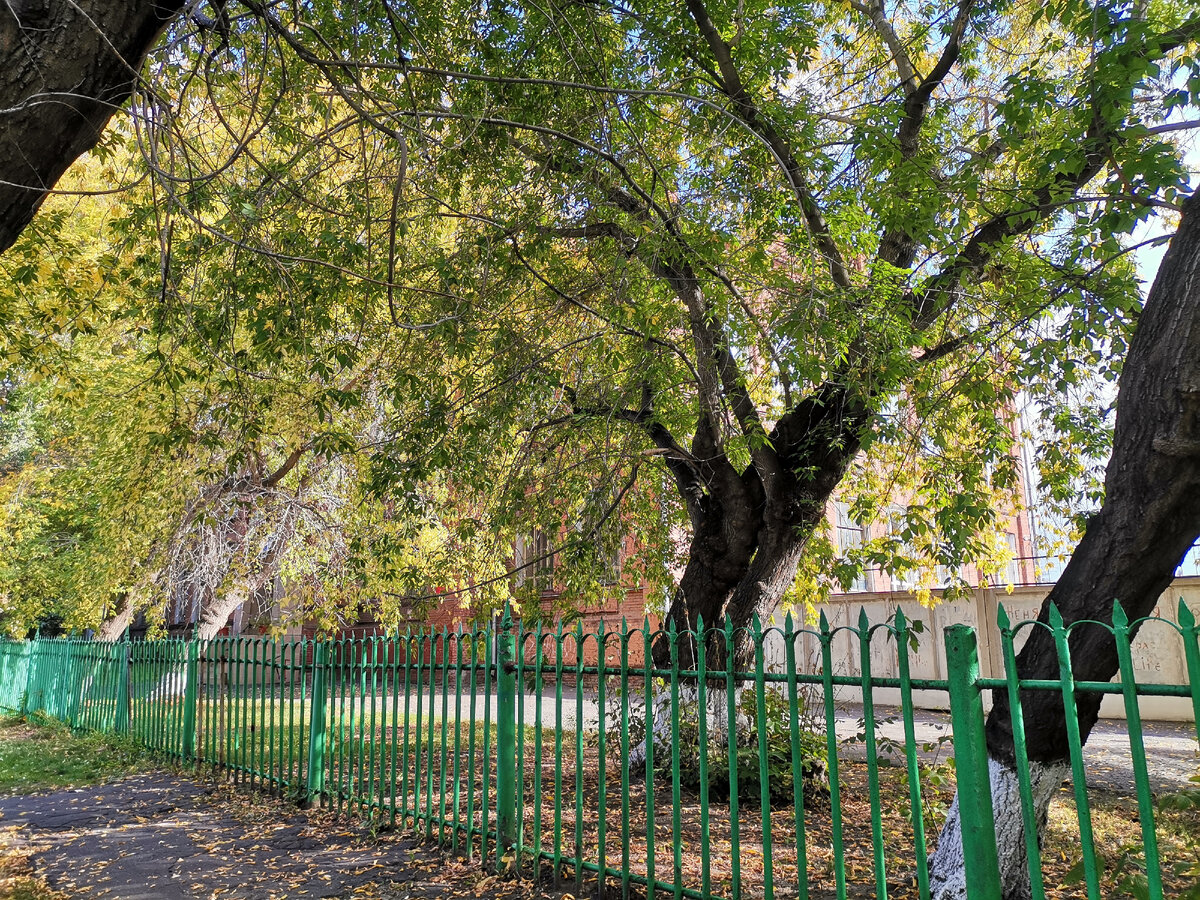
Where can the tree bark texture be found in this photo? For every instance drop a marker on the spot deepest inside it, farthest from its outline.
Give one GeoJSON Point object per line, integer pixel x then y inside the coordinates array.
{"type": "Point", "coordinates": [1128, 554]}
{"type": "Point", "coordinates": [1151, 513]}
{"type": "Point", "coordinates": [113, 627]}
{"type": "Point", "coordinates": [216, 614]}
{"type": "Point", "coordinates": [66, 68]}
{"type": "Point", "coordinates": [750, 528]}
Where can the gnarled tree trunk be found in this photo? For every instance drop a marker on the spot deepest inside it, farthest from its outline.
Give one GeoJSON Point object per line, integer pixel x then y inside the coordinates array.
{"type": "Point", "coordinates": [67, 67]}
{"type": "Point", "coordinates": [1129, 552]}
{"type": "Point", "coordinates": [112, 628]}
{"type": "Point", "coordinates": [750, 528]}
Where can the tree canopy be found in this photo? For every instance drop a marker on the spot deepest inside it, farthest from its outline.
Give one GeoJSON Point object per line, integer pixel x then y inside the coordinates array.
{"type": "Point", "coordinates": [674, 266]}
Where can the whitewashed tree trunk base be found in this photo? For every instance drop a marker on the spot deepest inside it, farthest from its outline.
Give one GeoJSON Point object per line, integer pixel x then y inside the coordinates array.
{"type": "Point", "coordinates": [173, 683]}
{"type": "Point", "coordinates": [718, 720]}
{"type": "Point", "coordinates": [947, 871]}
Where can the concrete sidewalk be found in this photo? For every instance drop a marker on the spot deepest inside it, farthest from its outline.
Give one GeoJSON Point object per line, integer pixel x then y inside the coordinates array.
{"type": "Point", "coordinates": [162, 836]}
{"type": "Point", "coordinates": [1171, 747]}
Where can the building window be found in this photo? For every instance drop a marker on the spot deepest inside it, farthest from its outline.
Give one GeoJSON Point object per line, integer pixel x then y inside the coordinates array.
{"type": "Point", "coordinates": [851, 535]}
{"type": "Point", "coordinates": [613, 562]}
{"type": "Point", "coordinates": [1012, 572]}
{"type": "Point", "coordinates": [947, 574]}
{"type": "Point", "coordinates": [543, 556]}
{"type": "Point", "coordinates": [910, 578]}
{"type": "Point", "coordinates": [533, 560]}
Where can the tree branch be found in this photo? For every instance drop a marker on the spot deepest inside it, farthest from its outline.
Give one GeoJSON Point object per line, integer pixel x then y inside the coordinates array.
{"type": "Point", "coordinates": [941, 290]}
{"type": "Point", "coordinates": [731, 85]}
{"type": "Point", "coordinates": [898, 247]}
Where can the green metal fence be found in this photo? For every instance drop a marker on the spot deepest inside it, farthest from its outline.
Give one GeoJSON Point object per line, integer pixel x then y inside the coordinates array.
{"type": "Point", "coordinates": [525, 747]}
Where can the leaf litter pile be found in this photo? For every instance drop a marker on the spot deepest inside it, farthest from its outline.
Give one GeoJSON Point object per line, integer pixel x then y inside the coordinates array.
{"type": "Point", "coordinates": [429, 873]}
{"type": "Point", "coordinates": [1115, 821]}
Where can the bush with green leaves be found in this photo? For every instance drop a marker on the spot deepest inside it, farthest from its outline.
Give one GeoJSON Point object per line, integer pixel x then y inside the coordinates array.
{"type": "Point", "coordinates": [777, 747]}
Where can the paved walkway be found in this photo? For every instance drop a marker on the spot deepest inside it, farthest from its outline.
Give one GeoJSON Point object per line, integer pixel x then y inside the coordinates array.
{"type": "Point", "coordinates": [1171, 754]}
{"type": "Point", "coordinates": [1170, 746]}
{"type": "Point", "coordinates": [164, 837]}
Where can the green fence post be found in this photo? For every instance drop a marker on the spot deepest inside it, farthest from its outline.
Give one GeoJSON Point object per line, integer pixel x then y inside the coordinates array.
{"type": "Point", "coordinates": [1137, 751]}
{"type": "Point", "coordinates": [976, 818]}
{"type": "Point", "coordinates": [1191, 652]}
{"type": "Point", "coordinates": [316, 724]}
{"type": "Point", "coordinates": [121, 716]}
{"type": "Point", "coordinates": [30, 650]}
{"type": "Point", "coordinates": [506, 741]}
{"type": "Point", "coordinates": [188, 750]}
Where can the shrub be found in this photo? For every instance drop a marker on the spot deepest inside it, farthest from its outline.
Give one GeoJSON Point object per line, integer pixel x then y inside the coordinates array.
{"type": "Point", "coordinates": [778, 750]}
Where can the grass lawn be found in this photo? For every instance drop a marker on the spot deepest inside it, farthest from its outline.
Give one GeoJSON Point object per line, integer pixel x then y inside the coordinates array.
{"type": "Point", "coordinates": [47, 756]}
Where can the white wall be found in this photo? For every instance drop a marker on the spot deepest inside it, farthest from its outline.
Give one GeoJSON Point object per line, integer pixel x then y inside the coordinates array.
{"type": "Point", "coordinates": [1157, 650]}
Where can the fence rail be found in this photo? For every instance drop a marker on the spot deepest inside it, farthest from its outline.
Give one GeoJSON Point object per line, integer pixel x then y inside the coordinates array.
{"type": "Point", "coordinates": [526, 747]}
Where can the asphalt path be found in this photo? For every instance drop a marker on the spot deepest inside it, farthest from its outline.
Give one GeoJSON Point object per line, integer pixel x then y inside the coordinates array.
{"type": "Point", "coordinates": [1171, 747]}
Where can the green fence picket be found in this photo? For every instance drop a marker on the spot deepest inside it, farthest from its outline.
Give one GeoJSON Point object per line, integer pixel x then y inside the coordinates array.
{"type": "Point", "coordinates": [1137, 748]}
{"type": "Point", "coordinates": [538, 687]}
{"type": "Point", "coordinates": [916, 808]}
{"type": "Point", "coordinates": [1190, 632]}
{"type": "Point", "coordinates": [602, 798]}
{"type": "Point", "coordinates": [976, 818]}
{"type": "Point", "coordinates": [1082, 809]}
{"type": "Point", "coordinates": [673, 636]}
{"type": "Point", "coordinates": [317, 724]}
{"type": "Point", "coordinates": [831, 747]}
{"type": "Point", "coordinates": [506, 742]}
{"type": "Point", "coordinates": [793, 698]}
{"type": "Point", "coordinates": [648, 664]}
{"type": "Point", "coordinates": [322, 721]}
{"type": "Point", "coordinates": [626, 884]}
{"type": "Point", "coordinates": [1033, 852]}
{"type": "Point", "coordinates": [764, 771]}
{"type": "Point", "coordinates": [868, 703]}
{"type": "Point", "coordinates": [580, 651]}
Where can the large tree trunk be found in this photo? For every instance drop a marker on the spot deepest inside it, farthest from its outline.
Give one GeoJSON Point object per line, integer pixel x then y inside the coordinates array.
{"type": "Point", "coordinates": [67, 67]}
{"type": "Point", "coordinates": [749, 529]}
{"type": "Point", "coordinates": [218, 612]}
{"type": "Point", "coordinates": [112, 628]}
{"type": "Point", "coordinates": [1130, 550]}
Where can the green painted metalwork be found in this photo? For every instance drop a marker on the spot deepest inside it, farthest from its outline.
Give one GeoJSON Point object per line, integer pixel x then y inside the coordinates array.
{"type": "Point", "coordinates": [317, 726]}
{"type": "Point", "coordinates": [676, 799]}
{"type": "Point", "coordinates": [625, 748]}
{"type": "Point", "coordinates": [1033, 852]}
{"type": "Point", "coordinates": [1137, 747]}
{"type": "Point", "coordinates": [538, 687]}
{"type": "Point", "coordinates": [647, 653]}
{"type": "Point", "coordinates": [1067, 684]}
{"type": "Point", "coordinates": [735, 856]}
{"type": "Point", "coordinates": [976, 817]}
{"type": "Point", "coordinates": [789, 640]}
{"type": "Point", "coordinates": [868, 702]}
{"type": "Point", "coordinates": [764, 772]}
{"type": "Point", "coordinates": [401, 726]}
{"type": "Point", "coordinates": [519, 743]}
{"type": "Point", "coordinates": [506, 741]}
{"type": "Point", "coordinates": [1190, 632]}
{"type": "Point", "coordinates": [121, 714]}
{"type": "Point", "coordinates": [580, 764]}
{"type": "Point", "coordinates": [835, 788]}
{"type": "Point", "coordinates": [558, 753]}
{"type": "Point", "coordinates": [189, 701]}
{"type": "Point", "coordinates": [602, 788]}
{"type": "Point", "coordinates": [455, 826]}
{"type": "Point", "coordinates": [910, 758]}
